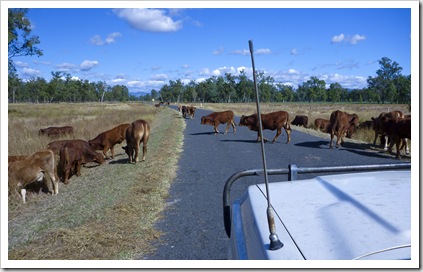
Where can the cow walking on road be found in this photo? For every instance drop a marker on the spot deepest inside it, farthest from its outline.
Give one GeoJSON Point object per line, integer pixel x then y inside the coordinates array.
{"type": "Point", "coordinates": [217, 118]}
{"type": "Point", "coordinates": [274, 120]}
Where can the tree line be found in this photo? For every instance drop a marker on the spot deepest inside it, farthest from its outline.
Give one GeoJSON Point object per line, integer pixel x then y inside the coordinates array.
{"type": "Point", "coordinates": [388, 86]}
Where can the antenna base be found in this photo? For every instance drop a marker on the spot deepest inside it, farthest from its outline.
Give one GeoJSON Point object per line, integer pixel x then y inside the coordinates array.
{"type": "Point", "coordinates": [275, 243]}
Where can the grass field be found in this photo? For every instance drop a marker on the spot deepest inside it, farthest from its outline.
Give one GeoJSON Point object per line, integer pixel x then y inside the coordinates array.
{"type": "Point", "coordinates": [109, 212]}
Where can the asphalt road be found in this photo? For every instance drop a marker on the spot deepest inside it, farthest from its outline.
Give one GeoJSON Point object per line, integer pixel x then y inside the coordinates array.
{"type": "Point", "coordinates": [193, 220]}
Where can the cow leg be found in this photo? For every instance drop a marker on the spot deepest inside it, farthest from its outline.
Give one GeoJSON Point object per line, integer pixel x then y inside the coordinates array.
{"type": "Point", "coordinates": [137, 150]}
{"type": "Point", "coordinates": [407, 149]}
{"type": "Point", "coordinates": [227, 127]}
{"type": "Point", "coordinates": [288, 134]}
{"type": "Point", "coordinates": [332, 135]}
{"type": "Point", "coordinates": [144, 151]}
{"type": "Point", "coordinates": [278, 132]}
{"type": "Point", "coordinates": [78, 169]}
{"type": "Point", "coordinates": [216, 131]}
{"type": "Point", "coordinates": [112, 150]}
{"type": "Point", "coordinates": [23, 194]}
{"type": "Point", "coordinates": [233, 125]}
{"type": "Point", "coordinates": [397, 145]}
{"type": "Point", "coordinates": [386, 143]}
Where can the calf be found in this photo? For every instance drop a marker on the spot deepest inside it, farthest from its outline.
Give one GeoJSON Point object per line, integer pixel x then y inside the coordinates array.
{"type": "Point", "coordinates": [341, 123]}
{"type": "Point", "coordinates": [274, 120]}
{"type": "Point", "coordinates": [300, 120]}
{"type": "Point", "coordinates": [55, 132]}
{"type": "Point", "coordinates": [74, 154]}
{"type": "Point", "coordinates": [108, 139]}
{"type": "Point", "coordinates": [137, 132]}
{"type": "Point", "coordinates": [55, 146]}
{"type": "Point", "coordinates": [31, 169]}
{"type": "Point", "coordinates": [397, 129]}
{"type": "Point", "coordinates": [322, 124]}
{"type": "Point", "coordinates": [216, 118]}
{"type": "Point", "coordinates": [12, 159]}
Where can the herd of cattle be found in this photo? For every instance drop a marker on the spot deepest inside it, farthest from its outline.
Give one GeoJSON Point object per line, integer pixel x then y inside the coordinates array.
{"type": "Point", "coordinates": [25, 170]}
{"type": "Point", "coordinates": [392, 127]}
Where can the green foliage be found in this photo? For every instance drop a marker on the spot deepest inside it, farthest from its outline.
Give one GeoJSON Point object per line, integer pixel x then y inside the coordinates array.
{"type": "Point", "coordinates": [20, 41]}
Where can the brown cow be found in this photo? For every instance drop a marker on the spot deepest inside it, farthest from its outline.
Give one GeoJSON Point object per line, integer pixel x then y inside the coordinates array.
{"type": "Point", "coordinates": [55, 132]}
{"type": "Point", "coordinates": [322, 124]}
{"type": "Point", "coordinates": [108, 139]}
{"type": "Point", "coordinates": [75, 153]}
{"type": "Point", "coordinates": [137, 132]}
{"type": "Point", "coordinates": [31, 169]}
{"type": "Point", "coordinates": [191, 111]}
{"type": "Point", "coordinates": [55, 146]}
{"type": "Point", "coordinates": [216, 118]}
{"type": "Point", "coordinates": [377, 127]}
{"type": "Point", "coordinates": [341, 123]}
{"type": "Point", "coordinates": [300, 120]}
{"type": "Point", "coordinates": [397, 129]}
{"type": "Point", "coordinates": [274, 120]}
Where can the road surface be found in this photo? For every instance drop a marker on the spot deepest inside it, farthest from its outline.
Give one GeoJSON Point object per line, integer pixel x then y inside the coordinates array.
{"type": "Point", "coordinates": [193, 221]}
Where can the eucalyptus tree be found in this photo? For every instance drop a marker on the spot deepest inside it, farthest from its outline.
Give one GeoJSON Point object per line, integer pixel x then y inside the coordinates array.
{"type": "Point", "coordinates": [244, 89]}
{"type": "Point", "coordinates": [383, 83]}
{"type": "Point", "coordinates": [20, 40]}
{"type": "Point", "coordinates": [334, 92]}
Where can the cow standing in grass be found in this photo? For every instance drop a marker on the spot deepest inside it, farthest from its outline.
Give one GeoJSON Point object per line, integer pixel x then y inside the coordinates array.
{"type": "Point", "coordinates": [137, 132]}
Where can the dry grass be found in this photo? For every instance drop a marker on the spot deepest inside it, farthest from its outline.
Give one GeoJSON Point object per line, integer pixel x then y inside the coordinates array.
{"type": "Point", "coordinates": [108, 212]}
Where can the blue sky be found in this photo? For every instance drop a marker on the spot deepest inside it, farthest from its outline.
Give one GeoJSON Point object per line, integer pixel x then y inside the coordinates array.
{"type": "Point", "coordinates": [145, 48]}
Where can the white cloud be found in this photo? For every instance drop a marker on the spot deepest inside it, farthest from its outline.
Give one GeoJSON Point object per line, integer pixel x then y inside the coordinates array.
{"type": "Point", "coordinates": [87, 65]}
{"type": "Point", "coordinates": [350, 39]}
{"type": "Point", "coordinates": [243, 52]}
{"type": "Point", "coordinates": [29, 72]}
{"type": "Point", "coordinates": [263, 51]}
{"type": "Point", "coordinates": [218, 51]}
{"type": "Point", "coordinates": [111, 38]}
{"type": "Point", "coordinates": [160, 77]}
{"type": "Point", "coordinates": [151, 20]}
{"type": "Point", "coordinates": [66, 67]}
{"type": "Point", "coordinates": [294, 51]}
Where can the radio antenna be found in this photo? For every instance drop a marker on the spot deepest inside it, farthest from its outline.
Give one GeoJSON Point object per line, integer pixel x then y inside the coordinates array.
{"type": "Point", "coordinates": [275, 243]}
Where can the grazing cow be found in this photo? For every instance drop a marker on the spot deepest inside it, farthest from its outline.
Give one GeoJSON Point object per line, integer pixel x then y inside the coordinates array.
{"type": "Point", "coordinates": [322, 124]}
{"type": "Point", "coordinates": [397, 129]}
{"type": "Point", "coordinates": [366, 125]}
{"type": "Point", "coordinates": [137, 132]}
{"type": "Point", "coordinates": [108, 139]}
{"type": "Point", "coordinates": [75, 153]}
{"type": "Point", "coordinates": [274, 120]}
{"type": "Point", "coordinates": [377, 127]}
{"type": "Point", "coordinates": [300, 120]}
{"type": "Point", "coordinates": [32, 169]}
{"type": "Point", "coordinates": [184, 111]}
{"type": "Point", "coordinates": [55, 132]}
{"type": "Point", "coordinates": [341, 123]}
{"type": "Point", "coordinates": [216, 118]}
{"type": "Point", "coordinates": [55, 146]}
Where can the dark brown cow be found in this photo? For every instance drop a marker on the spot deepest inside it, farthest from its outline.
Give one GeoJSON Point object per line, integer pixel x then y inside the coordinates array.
{"type": "Point", "coordinates": [377, 127]}
{"type": "Point", "coordinates": [322, 124]}
{"type": "Point", "coordinates": [55, 132]}
{"type": "Point", "coordinates": [274, 120]}
{"type": "Point", "coordinates": [341, 123]}
{"type": "Point", "coordinates": [216, 118]}
{"type": "Point", "coordinates": [108, 139]}
{"type": "Point", "coordinates": [74, 154]}
{"type": "Point", "coordinates": [397, 129]}
{"type": "Point", "coordinates": [137, 132]}
{"type": "Point", "coordinates": [366, 125]}
{"type": "Point", "coordinates": [55, 146]}
{"type": "Point", "coordinates": [300, 120]}
{"type": "Point", "coordinates": [32, 169]}
{"type": "Point", "coordinates": [184, 111]}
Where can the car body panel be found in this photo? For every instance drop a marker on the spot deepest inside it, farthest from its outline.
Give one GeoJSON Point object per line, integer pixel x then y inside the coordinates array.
{"type": "Point", "coordinates": [331, 217]}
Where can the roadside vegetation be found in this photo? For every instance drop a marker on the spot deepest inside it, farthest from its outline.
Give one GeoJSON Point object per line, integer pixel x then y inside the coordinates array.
{"type": "Point", "coordinates": [108, 212]}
